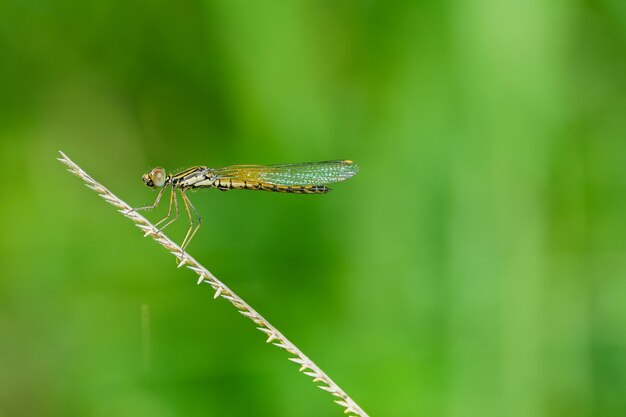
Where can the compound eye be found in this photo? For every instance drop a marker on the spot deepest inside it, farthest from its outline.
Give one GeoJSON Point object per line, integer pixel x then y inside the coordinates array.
{"type": "Point", "coordinates": [157, 175]}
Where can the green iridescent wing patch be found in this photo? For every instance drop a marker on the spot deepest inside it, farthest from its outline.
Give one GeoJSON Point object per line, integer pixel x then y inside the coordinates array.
{"type": "Point", "coordinates": [308, 173]}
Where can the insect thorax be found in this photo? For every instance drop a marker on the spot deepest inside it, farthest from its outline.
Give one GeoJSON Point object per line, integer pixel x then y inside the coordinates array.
{"type": "Point", "coordinates": [201, 177]}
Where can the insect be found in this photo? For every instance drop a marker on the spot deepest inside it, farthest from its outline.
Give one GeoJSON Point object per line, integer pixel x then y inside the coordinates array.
{"type": "Point", "coordinates": [303, 178]}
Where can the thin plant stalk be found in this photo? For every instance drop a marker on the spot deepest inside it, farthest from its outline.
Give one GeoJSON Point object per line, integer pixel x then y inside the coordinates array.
{"type": "Point", "coordinates": [307, 366]}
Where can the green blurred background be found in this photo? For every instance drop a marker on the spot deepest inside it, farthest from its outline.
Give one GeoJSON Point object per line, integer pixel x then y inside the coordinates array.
{"type": "Point", "coordinates": [476, 266]}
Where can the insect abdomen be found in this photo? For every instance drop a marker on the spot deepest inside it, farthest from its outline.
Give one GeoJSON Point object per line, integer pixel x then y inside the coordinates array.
{"type": "Point", "coordinates": [234, 184]}
{"type": "Point", "coordinates": [295, 189]}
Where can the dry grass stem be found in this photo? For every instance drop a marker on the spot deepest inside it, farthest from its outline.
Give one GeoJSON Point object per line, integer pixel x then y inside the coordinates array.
{"type": "Point", "coordinates": [204, 276]}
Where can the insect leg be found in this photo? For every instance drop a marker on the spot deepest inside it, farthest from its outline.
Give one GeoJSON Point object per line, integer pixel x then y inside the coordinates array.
{"type": "Point", "coordinates": [175, 198]}
{"type": "Point", "coordinates": [156, 203]}
{"type": "Point", "coordinates": [191, 222]}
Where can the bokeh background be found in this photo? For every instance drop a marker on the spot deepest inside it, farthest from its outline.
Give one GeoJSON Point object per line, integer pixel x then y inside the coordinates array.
{"type": "Point", "coordinates": [476, 266]}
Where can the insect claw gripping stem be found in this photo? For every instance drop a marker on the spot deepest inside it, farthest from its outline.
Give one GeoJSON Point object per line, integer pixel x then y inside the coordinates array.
{"type": "Point", "coordinates": [307, 367]}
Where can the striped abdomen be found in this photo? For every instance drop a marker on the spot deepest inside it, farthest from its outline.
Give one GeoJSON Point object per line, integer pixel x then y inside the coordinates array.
{"type": "Point", "coordinates": [226, 184]}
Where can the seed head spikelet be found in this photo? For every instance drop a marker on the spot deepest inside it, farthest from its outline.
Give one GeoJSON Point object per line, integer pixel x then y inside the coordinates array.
{"type": "Point", "coordinates": [275, 337]}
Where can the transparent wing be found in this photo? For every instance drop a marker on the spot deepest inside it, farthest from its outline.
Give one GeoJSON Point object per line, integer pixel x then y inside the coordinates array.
{"type": "Point", "coordinates": [308, 173]}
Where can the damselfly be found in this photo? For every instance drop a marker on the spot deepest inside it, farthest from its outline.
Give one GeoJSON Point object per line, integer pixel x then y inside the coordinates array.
{"type": "Point", "coordinates": [305, 178]}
